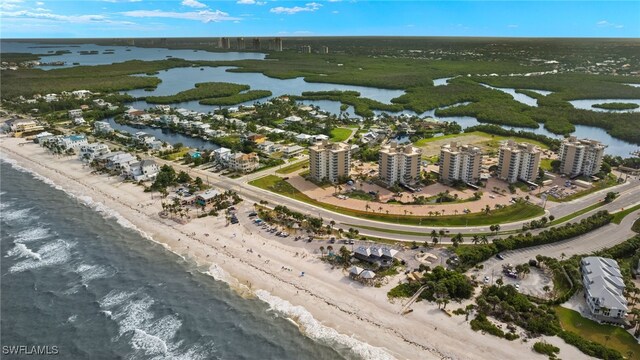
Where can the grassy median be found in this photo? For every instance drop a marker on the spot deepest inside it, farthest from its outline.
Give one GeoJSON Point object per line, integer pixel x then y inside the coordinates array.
{"type": "Point", "coordinates": [516, 212]}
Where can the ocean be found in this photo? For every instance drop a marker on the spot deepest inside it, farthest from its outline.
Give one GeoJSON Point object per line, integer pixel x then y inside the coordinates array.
{"type": "Point", "coordinates": [79, 279]}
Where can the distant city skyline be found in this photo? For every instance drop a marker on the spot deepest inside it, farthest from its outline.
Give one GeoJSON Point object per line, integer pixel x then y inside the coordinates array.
{"type": "Point", "coordinates": [248, 18]}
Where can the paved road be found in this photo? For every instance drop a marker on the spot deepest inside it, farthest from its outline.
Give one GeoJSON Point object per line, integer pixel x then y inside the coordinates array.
{"type": "Point", "coordinates": [603, 237]}
{"type": "Point", "coordinates": [630, 195]}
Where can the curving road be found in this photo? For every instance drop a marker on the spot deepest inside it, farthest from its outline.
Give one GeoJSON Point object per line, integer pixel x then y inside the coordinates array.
{"type": "Point", "coordinates": [629, 191]}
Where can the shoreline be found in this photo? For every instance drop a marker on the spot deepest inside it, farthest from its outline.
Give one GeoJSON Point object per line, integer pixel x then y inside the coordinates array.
{"type": "Point", "coordinates": [358, 321]}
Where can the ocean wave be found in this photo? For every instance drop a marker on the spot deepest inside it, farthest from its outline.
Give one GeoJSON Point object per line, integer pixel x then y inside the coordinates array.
{"type": "Point", "coordinates": [92, 272]}
{"type": "Point", "coordinates": [318, 332]}
{"type": "Point", "coordinates": [53, 253]}
{"type": "Point", "coordinates": [152, 336]}
{"type": "Point", "coordinates": [19, 215]}
{"type": "Point", "coordinates": [32, 234]}
{"type": "Point", "coordinates": [21, 250]}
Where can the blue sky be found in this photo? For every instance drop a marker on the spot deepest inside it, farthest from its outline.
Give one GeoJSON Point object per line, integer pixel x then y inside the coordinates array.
{"type": "Point", "coordinates": [200, 18]}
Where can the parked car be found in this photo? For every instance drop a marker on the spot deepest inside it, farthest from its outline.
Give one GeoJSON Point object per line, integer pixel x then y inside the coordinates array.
{"type": "Point", "coordinates": [500, 257]}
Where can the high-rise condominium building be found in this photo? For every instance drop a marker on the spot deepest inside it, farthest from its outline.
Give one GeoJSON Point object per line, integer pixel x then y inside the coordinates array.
{"type": "Point", "coordinates": [329, 161]}
{"type": "Point", "coordinates": [224, 43]}
{"type": "Point", "coordinates": [460, 163]}
{"type": "Point", "coordinates": [256, 43]}
{"type": "Point", "coordinates": [277, 44]}
{"type": "Point", "coordinates": [518, 161]}
{"type": "Point", "coordinates": [399, 164]}
{"type": "Point", "coordinates": [240, 45]}
{"type": "Point", "coordinates": [581, 156]}
{"type": "Point", "coordinates": [324, 50]}
{"type": "Point", "coordinates": [306, 49]}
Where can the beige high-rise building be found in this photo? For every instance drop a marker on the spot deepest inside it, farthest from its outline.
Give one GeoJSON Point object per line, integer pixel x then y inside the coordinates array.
{"type": "Point", "coordinates": [306, 49]}
{"type": "Point", "coordinates": [581, 156]}
{"type": "Point", "coordinates": [324, 50]}
{"type": "Point", "coordinates": [460, 163]}
{"type": "Point", "coordinates": [240, 44]}
{"type": "Point", "coordinates": [329, 161]}
{"type": "Point", "coordinates": [518, 161]}
{"type": "Point", "coordinates": [399, 164]}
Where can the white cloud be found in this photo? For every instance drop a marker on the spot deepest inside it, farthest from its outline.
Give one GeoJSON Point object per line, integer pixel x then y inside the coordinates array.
{"type": "Point", "coordinates": [205, 16]}
{"type": "Point", "coordinates": [42, 10]}
{"type": "Point", "coordinates": [39, 3]}
{"type": "Point", "coordinates": [78, 19]}
{"type": "Point", "coordinates": [250, 2]}
{"type": "Point", "coordinates": [296, 9]}
{"type": "Point", "coordinates": [10, 4]}
{"type": "Point", "coordinates": [606, 24]}
{"type": "Point", "coordinates": [193, 4]}
{"type": "Point", "coordinates": [335, 12]}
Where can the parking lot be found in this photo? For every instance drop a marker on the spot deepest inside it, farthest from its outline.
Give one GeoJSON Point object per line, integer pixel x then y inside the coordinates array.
{"type": "Point", "coordinates": [532, 283]}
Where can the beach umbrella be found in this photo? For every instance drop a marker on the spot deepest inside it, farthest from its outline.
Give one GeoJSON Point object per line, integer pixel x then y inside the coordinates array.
{"type": "Point", "coordinates": [356, 270]}
{"type": "Point", "coordinates": [368, 274]}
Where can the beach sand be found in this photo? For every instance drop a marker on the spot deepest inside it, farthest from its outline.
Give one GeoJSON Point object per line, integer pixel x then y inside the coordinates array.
{"type": "Point", "coordinates": [324, 303]}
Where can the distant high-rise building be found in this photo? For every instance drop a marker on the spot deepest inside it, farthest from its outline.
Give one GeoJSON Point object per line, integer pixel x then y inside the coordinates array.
{"type": "Point", "coordinates": [580, 156]}
{"type": "Point", "coordinates": [240, 43]}
{"type": "Point", "coordinates": [306, 49]}
{"type": "Point", "coordinates": [256, 43]}
{"type": "Point", "coordinates": [277, 44]}
{"type": "Point", "coordinates": [518, 161]}
{"type": "Point", "coordinates": [460, 163]}
{"type": "Point", "coordinates": [324, 50]}
{"type": "Point", "coordinates": [224, 43]}
{"type": "Point", "coordinates": [329, 161]}
{"type": "Point", "coordinates": [399, 164]}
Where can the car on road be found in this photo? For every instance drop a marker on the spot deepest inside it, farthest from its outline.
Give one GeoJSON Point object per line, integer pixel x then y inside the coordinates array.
{"type": "Point", "coordinates": [517, 287]}
{"type": "Point", "coordinates": [500, 257]}
{"type": "Point", "coordinates": [252, 214]}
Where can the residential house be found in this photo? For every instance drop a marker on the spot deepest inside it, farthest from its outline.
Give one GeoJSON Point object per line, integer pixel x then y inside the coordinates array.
{"type": "Point", "coordinates": [222, 155]}
{"type": "Point", "coordinates": [194, 154]}
{"type": "Point", "coordinates": [293, 150]}
{"type": "Point", "coordinates": [117, 161]}
{"type": "Point", "coordinates": [244, 163]}
{"type": "Point", "coordinates": [51, 97]}
{"type": "Point", "coordinates": [72, 141]}
{"type": "Point", "coordinates": [81, 94]}
{"type": "Point", "coordinates": [79, 121]}
{"type": "Point", "coordinates": [143, 138]}
{"type": "Point", "coordinates": [266, 146]}
{"type": "Point", "coordinates": [317, 138]}
{"type": "Point", "coordinates": [304, 138]}
{"type": "Point", "coordinates": [257, 138]}
{"type": "Point", "coordinates": [75, 113]}
{"type": "Point", "coordinates": [102, 127]}
{"type": "Point", "coordinates": [143, 170]}
{"type": "Point", "coordinates": [604, 289]}
{"type": "Point", "coordinates": [292, 120]}
{"type": "Point", "coordinates": [24, 126]}
{"type": "Point", "coordinates": [91, 151]}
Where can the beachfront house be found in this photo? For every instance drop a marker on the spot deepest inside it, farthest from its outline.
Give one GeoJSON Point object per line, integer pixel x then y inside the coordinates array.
{"type": "Point", "coordinates": [143, 170]}
{"type": "Point", "coordinates": [21, 127]}
{"type": "Point", "coordinates": [91, 151]}
{"type": "Point", "coordinates": [244, 163]}
{"type": "Point", "coordinates": [117, 161]}
{"type": "Point", "coordinates": [72, 141]}
{"type": "Point", "coordinates": [382, 256]}
{"type": "Point", "coordinates": [43, 137]}
{"type": "Point", "coordinates": [604, 289]}
{"type": "Point", "coordinates": [206, 197]}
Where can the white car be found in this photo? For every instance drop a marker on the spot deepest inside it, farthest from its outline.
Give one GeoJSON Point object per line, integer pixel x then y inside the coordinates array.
{"type": "Point", "coordinates": [518, 287]}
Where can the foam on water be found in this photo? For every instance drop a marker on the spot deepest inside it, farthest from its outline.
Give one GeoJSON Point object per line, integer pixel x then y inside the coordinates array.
{"type": "Point", "coordinates": [318, 332]}
{"type": "Point", "coordinates": [19, 215]}
{"type": "Point", "coordinates": [21, 250]}
{"type": "Point", "coordinates": [92, 272]}
{"type": "Point", "coordinates": [53, 253]}
{"type": "Point", "coordinates": [150, 335]}
{"type": "Point", "coordinates": [32, 234]}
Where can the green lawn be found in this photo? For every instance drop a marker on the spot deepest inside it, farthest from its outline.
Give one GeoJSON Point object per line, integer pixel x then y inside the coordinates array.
{"type": "Point", "coordinates": [498, 138]}
{"type": "Point", "coordinates": [636, 226]}
{"type": "Point", "coordinates": [511, 213]}
{"type": "Point", "coordinates": [618, 338]}
{"type": "Point", "coordinates": [293, 167]}
{"type": "Point", "coordinates": [340, 134]}
{"type": "Point", "coordinates": [545, 164]}
{"type": "Point", "coordinates": [617, 217]}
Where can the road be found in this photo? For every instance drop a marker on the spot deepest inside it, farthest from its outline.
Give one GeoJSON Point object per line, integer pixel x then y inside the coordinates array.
{"type": "Point", "coordinates": [629, 195]}
{"type": "Point", "coordinates": [604, 237]}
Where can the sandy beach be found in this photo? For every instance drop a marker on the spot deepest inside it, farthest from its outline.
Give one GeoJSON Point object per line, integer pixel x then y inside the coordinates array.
{"type": "Point", "coordinates": [324, 303]}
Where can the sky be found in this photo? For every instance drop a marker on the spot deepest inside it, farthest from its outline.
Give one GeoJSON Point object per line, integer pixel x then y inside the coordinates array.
{"type": "Point", "coordinates": [201, 18]}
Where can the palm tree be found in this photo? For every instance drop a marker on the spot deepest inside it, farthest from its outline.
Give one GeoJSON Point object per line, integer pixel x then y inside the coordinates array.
{"type": "Point", "coordinates": [484, 240]}
{"type": "Point", "coordinates": [475, 239]}
{"type": "Point", "coordinates": [322, 250]}
{"type": "Point", "coordinates": [330, 249]}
